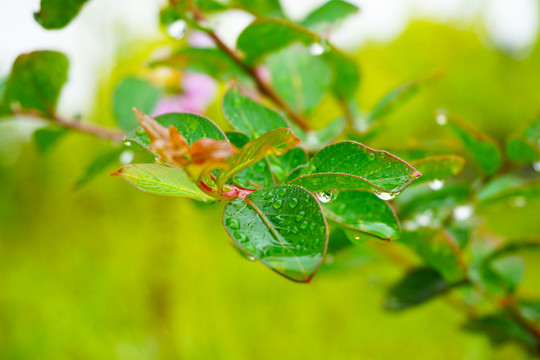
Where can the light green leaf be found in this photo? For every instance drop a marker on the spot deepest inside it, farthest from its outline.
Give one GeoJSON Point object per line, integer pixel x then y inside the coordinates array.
{"type": "Point", "coordinates": [270, 8]}
{"type": "Point", "coordinates": [345, 74]}
{"type": "Point", "coordinates": [524, 145]}
{"type": "Point", "coordinates": [438, 167]}
{"type": "Point", "coordinates": [325, 17]}
{"type": "Point", "coordinates": [46, 138]}
{"type": "Point", "coordinates": [281, 226]}
{"type": "Point", "coordinates": [133, 92]}
{"type": "Point", "coordinates": [55, 14]}
{"type": "Point", "coordinates": [510, 269]}
{"type": "Point", "coordinates": [364, 212]}
{"type": "Point", "coordinates": [162, 180]}
{"type": "Point", "coordinates": [103, 162]}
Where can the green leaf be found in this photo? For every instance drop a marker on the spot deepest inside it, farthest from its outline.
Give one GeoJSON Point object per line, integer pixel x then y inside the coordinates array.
{"type": "Point", "coordinates": [292, 77]}
{"type": "Point", "coordinates": [281, 226]}
{"type": "Point", "coordinates": [439, 250]}
{"type": "Point", "coordinates": [35, 81]}
{"type": "Point", "coordinates": [350, 165]}
{"type": "Point", "coordinates": [438, 167]}
{"type": "Point", "coordinates": [510, 269]}
{"type": "Point", "coordinates": [283, 165]}
{"type": "Point", "coordinates": [248, 116]}
{"type": "Point", "coordinates": [192, 127]}
{"type": "Point", "coordinates": [478, 146]}
{"type": "Point", "coordinates": [416, 287]}
{"type": "Point", "coordinates": [524, 145]}
{"type": "Point", "coordinates": [162, 180]}
{"type": "Point", "coordinates": [260, 8]}
{"type": "Point", "coordinates": [517, 193]}
{"type": "Point", "coordinates": [133, 92]}
{"type": "Point", "coordinates": [99, 165]}
{"type": "Point", "coordinates": [364, 212]}
{"type": "Point", "coordinates": [55, 14]}
{"type": "Point", "coordinates": [46, 138]}
{"type": "Point", "coordinates": [264, 36]}
{"type": "Point", "coordinates": [399, 96]}
{"type": "Point", "coordinates": [345, 74]}
{"type": "Point", "coordinates": [325, 17]}
{"type": "Point", "coordinates": [498, 186]}
{"type": "Point", "coordinates": [277, 141]}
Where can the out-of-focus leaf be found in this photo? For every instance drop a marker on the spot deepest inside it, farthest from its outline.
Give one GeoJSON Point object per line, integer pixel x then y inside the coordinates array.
{"type": "Point", "coordinates": [364, 212]}
{"type": "Point", "coordinates": [277, 142]}
{"type": "Point", "coordinates": [316, 139]}
{"type": "Point", "coordinates": [292, 75]}
{"type": "Point", "coordinates": [514, 194]}
{"type": "Point", "coordinates": [269, 8]}
{"type": "Point", "coordinates": [530, 310]}
{"type": "Point", "coordinates": [248, 116]}
{"type": "Point", "coordinates": [499, 185]}
{"type": "Point", "coordinates": [439, 250]}
{"type": "Point", "coordinates": [510, 269]}
{"type": "Point", "coordinates": [351, 165]}
{"type": "Point", "coordinates": [438, 167]}
{"type": "Point", "coordinates": [35, 82]}
{"type": "Point", "coordinates": [399, 96]}
{"type": "Point", "coordinates": [326, 16]}
{"type": "Point", "coordinates": [102, 163]}
{"type": "Point", "coordinates": [133, 92]}
{"type": "Point", "coordinates": [192, 127]}
{"type": "Point", "coordinates": [46, 138]}
{"type": "Point", "coordinates": [345, 74]}
{"type": "Point", "coordinates": [162, 180]}
{"type": "Point", "coordinates": [55, 14]}
{"type": "Point", "coordinates": [524, 145]}
{"type": "Point", "coordinates": [264, 36]}
{"type": "Point", "coordinates": [479, 147]}
{"type": "Point", "coordinates": [416, 287]}
{"type": "Point", "coordinates": [281, 226]}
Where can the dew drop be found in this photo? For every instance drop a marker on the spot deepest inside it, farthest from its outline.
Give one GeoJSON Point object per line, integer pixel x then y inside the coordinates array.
{"type": "Point", "coordinates": [327, 196]}
{"type": "Point", "coordinates": [304, 225]}
{"type": "Point", "coordinates": [177, 29]}
{"type": "Point", "coordinates": [436, 184]}
{"type": "Point", "coordinates": [300, 215]}
{"type": "Point", "coordinates": [251, 258]}
{"type": "Point", "coordinates": [278, 219]}
{"type": "Point", "coordinates": [316, 49]}
{"type": "Point", "coordinates": [311, 226]}
{"type": "Point", "coordinates": [233, 224]}
{"type": "Point", "coordinates": [536, 166]}
{"type": "Point", "coordinates": [140, 132]}
{"type": "Point", "coordinates": [293, 202]}
{"type": "Point", "coordinates": [293, 229]}
{"type": "Point", "coordinates": [278, 204]}
{"type": "Point", "coordinates": [282, 191]}
{"type": "Point", "coordinates": [371, 156]}
{"type": "Point", "coordinates": [239, 236]}
{"type": "Point", "coordinates": [127, 143]}
{"type": "Point", "coordinates": [518, 201]}
{"type": "Point", "coordinates": [462, 212]}
{"type": "Point", "coordinates": [441, 117]}
{"type": "Point", "coordinates": [268, 195]}
{"type": "Point", "coordinates": [127, 157]}
{"type": "Point", "coordinates": [386, 196]}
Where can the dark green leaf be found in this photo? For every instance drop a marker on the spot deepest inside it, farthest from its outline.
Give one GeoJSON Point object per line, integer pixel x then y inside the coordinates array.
{"type": "Point", "coordinates": [510, 269]}
{"type": "Point", "coordinates": [133, 92]}
{"type": "Point", "coordinates": [524, 145]}
{"type": "Point", "coordinates": [46, 138]}
{"type": "Point", "coordinates": [283, 227]}
{"type": "Point", "coordinates": [416, 287]}
{"type": "Point", "coordinates": [35, 81]}
{"type": "Point", "coordinates": [325, 17]}
{"type": "Point", "coordinates": [292, 75]}
{"type": "Point", "coordinates": [55, 14]}
{"type": "Point", "coordinates": [248, 116]}
{"type": "Point", "coordinates": [499, 185]}
{"type": "Point", "coordinates": [364, 212]}
{"type": "Point", "coordinates": [162, 180]}
{"type": "Point", "coordinates": [349, 165]}
{"type": "Point", "coordinates": [438, 167]}
{"type": "Point", "coordinates": [282, 166]}
{"type": "Point", "coordinates": [345, 74]}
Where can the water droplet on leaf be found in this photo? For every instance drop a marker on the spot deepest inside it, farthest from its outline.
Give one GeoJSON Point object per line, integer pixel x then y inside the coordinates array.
{"type": "Point", "coordinates": [293, 229]}
{"type": "Point", "coordinates": [385, 195]}
{"type": "Point", "coordinates": [304, 225]}
{"type": "Point", "coordinates": [251, 258]}
{"type": "Point", "coordinates": [371, 156]}
{"type": "Point", "coordinates": [327, 196]}
{"type": "Point", "coordinates": [300, 215]}
{"type": "Point", "coordinates": [127, 143]}
{"type": "Point", "coordinates": [140, 132]}
{"type": "Point", "coordinates": [293, 202]}
{"type": "Point", "coordinates": [536, 166]}
{"type": "Point", "coordinates": [233, 223]}
{"type": "Point", "coordinates": [436, 184]}
{"type": "Point", "coordinates": [239, 236]}
{"type": "Point", "coordinates": [177, 29]}
{"type": "Point", "coordinates": [316, 49]}
{"type": "Point", "coordinates": [268, 195]}
{"type": "Point", "coordinates": [278, 204]}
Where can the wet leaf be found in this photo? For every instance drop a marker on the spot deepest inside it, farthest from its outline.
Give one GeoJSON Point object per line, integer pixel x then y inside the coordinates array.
{"type": "Point", "coordinates": [35, 82]}
{"type": "Point", "coordinates": [416, 287]}
{"type": "Point", "coordinates": [46, 138]}
{"type": "Point", "coordinates": [133, 92]}
{"type": "Point", "coordinates": [438, 167]}
{"type": "Point", "coordinates": [281, 226]}
{"type": "Point", "coordinates": [363, 212]}
{"type": "Point", "coordinates": [326, 16]}
{"type": "Point", "coordinates": [350, 165]}
{"type": "Point", "coordinates": [55, 14]}
{"type": "Point", "coordinates": [524, 145]}
{"type": "Point", "coordinates": [162, 180]}
{"type": "Point", "coordinates": [292, 77]}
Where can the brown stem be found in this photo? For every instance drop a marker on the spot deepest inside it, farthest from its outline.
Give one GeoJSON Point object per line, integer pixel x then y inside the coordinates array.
{"type": "Point", "coordinates": [524, 322]}
{"type": "Point", "coordinates": [99, 131]}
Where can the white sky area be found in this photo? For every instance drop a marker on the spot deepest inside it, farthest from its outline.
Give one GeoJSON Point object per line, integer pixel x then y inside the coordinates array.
{"type": "Point", "coordinates": [91, 40]}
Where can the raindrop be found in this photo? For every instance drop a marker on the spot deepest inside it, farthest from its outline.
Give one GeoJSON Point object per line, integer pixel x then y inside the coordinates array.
{"type": "Point", "coordinates": [268, 195]}
{"type": "Point", "coordinates": [386, 196]}
{"type": "Point", "coordinates": [127, 143]}
{"type": "Point", "coordinates": [462, 212]}
{"type": "Point", "coordinates": [233, 223]}
{"type": "Point", "coordinates": [251, 258]}
{"type": "Point", "coordinates": [140, 132]}
{"type": "Point", "coordinates": [536, 166]}
{"type": "Point", "coordinates": [424, 219]}
{"type": "Point", "coordinates": [293, 202]}
{"type": "Point", "coordinates": [293, 229]}
{"type": "Point", "coordinates": [436, 184]}
{"type": "Point", "coordinates": [311, 226]}
{"type": "Point", "coordinates": [371, 156]}
{"type": "Point", "coordinates": [239, 236]}
{"type": "Point", "coordinates": [441, 117]}
{"type": "Point", "coordinates": [127, 157]}
{"type": "Point", "coordinates": [177, 29]}
{"type": "Point", "coordinates": [327, 196]}
{"type": "Point", "coordinates": [278, 219]}
{"type": "Point", "coordinates": [300, 215]}
{"type": "Point", "coordinates": [278, 204]}
{"type": "Point", "coordinates": [283, 191]}
{"type": "Point", "coordinates": [518, 201]}
{"type": "Point", "coordinates": [304, 225]}
{"type": "Point", "coordinates": [316, 49]}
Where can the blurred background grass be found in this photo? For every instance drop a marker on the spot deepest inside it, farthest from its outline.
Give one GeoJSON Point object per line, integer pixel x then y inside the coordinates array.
{"type": "Point", "coordinates": [107, 272]}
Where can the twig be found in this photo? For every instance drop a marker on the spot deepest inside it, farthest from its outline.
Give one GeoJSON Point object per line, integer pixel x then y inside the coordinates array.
{"type": "Point", "coordinates": [98, 131]}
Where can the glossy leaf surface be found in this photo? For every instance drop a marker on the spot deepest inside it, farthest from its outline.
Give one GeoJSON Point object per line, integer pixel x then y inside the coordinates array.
{"type": "Point", "coordinates": [349, 165]}
{"type": "Point", "coordinates": [133, 92]}
{"type": "Point", "coordinates": [35, 81]}
{"type": "Point", "coordinates": [162, 180]}
{"type": "Point", "coordinates": [438, 167]}
{"type": "Point", "coordinates": [364, 212]}
{"type": "Point", "coordinates": [55, 14]}
{"type": "Point", "coordinates": [281, 226]}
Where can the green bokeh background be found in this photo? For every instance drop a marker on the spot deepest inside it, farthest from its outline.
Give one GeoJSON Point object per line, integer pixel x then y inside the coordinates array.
{"type": "Point", "coordinates": [107, 272]}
